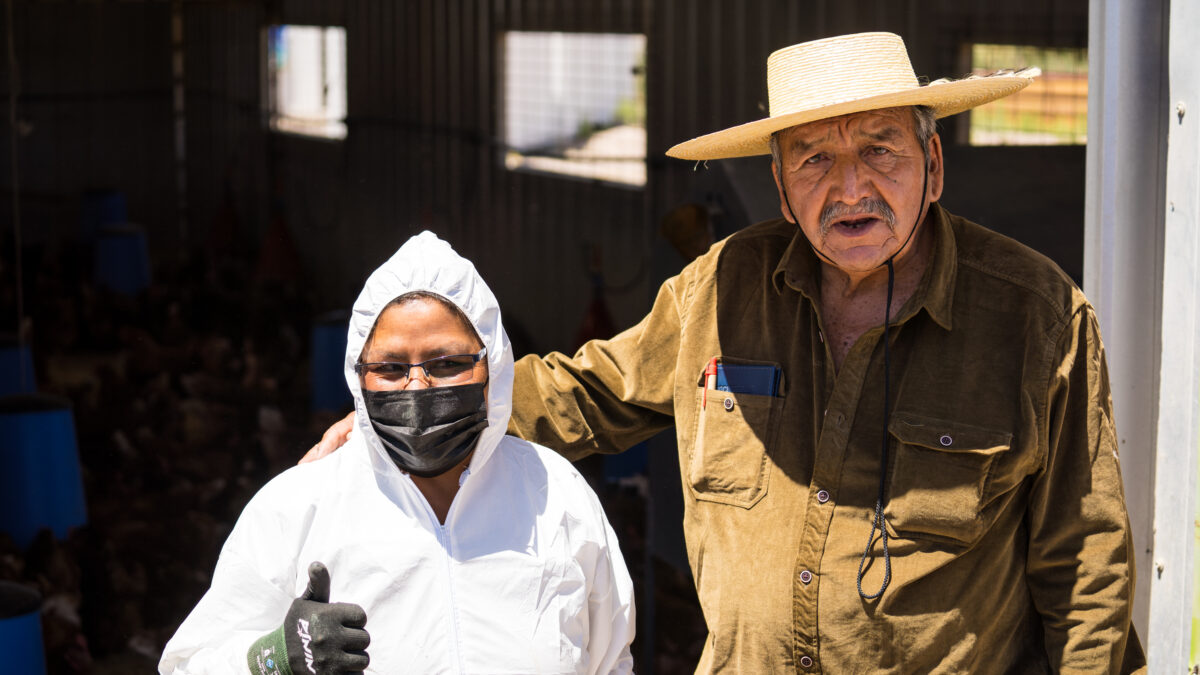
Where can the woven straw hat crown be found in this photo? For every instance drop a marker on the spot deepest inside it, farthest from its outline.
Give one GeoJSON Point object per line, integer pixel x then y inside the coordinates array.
{"type": "Point", "coordinates": [841, 75]}
{"type": "Point", "coordinates": [790, 88]}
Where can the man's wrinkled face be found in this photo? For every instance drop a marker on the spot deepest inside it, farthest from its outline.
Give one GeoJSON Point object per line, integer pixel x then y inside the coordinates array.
{"type": "Point", "coordinates": [855, 184]}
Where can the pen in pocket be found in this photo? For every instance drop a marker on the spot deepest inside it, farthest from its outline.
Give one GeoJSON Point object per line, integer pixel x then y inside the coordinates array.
{"type": "Point", "coordinates": [709, 371]}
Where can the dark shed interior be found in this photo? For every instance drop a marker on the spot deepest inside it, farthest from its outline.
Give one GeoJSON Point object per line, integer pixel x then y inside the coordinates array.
{"type": "Point", "coordinates": [191, 391]}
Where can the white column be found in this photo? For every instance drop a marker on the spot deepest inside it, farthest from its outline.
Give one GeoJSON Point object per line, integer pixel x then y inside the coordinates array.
{"type": "Point", "coordinates": [1123, 238]}
{"type": "Point", "coordinates": [1175, 509]}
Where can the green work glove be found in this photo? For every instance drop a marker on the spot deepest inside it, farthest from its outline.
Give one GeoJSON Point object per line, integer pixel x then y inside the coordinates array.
{"type": "Point", "coordinates": [317, 637]}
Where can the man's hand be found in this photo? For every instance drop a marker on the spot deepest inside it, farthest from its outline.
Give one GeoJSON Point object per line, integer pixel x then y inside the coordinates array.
{"type": "Point", "coordinates": [317, 637]}
{"type": "Point", "coordinates": [334, 438]}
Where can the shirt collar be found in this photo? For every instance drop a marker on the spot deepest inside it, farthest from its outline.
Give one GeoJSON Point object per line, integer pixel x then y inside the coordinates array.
{"type": "Point", "coordinates": [799, 268]}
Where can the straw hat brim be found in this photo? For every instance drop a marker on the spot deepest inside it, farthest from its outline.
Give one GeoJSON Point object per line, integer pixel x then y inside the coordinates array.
{"type": "Point", "coordinates": [945, 97]}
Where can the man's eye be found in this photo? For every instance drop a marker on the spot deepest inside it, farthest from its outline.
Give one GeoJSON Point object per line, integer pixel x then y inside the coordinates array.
{"type": "Point", "coordinates": [878, 150]}
{"type": "Point", "coordinates": [814, 159]}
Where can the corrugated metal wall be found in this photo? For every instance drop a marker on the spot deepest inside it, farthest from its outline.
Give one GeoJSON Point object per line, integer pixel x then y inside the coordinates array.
{"type": "Point", "coordinates": [708, 57]}
{"type": "Point", "coordinates": [423, 149]}
{"type": "Point", "coordinates": [94, 112]}
{"type": "Point", "coordinates": [228, 190]}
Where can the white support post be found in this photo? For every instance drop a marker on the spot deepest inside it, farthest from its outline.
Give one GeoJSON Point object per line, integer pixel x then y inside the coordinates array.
{"type": "Point", "coordinates": [1172, 579]}
{"type": "Point", "coordinates": [1123, 238]}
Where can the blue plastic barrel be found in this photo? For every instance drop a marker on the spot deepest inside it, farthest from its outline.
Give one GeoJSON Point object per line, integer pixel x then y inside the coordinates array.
{"type": "Point", "coordinates": [328, 363]}
{"type": "Point", "coordinates": [40, 481]}
{"type": "Point", "coordinates": [122, 259]}
{"type": "Point", "coordinates": [626, 464]}
{"type": "Point", "coordinates": [21, 630]}
{"type": "Point", "coordinates": [16, 368]}
{"type": "Point", "coordinates": [100, 208]}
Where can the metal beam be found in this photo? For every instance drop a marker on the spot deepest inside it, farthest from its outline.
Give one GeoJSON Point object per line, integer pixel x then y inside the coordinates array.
{"type": "Point", "coordinates": [1123, 238]}
{"type": "Point", "coordinates": [1172, 585]}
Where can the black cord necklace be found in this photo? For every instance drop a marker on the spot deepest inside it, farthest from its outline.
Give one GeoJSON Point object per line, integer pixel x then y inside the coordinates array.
{"type": "Point", "coordinates": [878, 522]}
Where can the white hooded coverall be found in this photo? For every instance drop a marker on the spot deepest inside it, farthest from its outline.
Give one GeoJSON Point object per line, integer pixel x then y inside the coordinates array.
{"type": "Point", "coordinates": [525, 576]}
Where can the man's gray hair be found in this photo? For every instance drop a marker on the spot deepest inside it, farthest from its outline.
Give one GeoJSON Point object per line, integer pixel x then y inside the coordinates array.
{"type": "Point", "coordinates": [924, 121]}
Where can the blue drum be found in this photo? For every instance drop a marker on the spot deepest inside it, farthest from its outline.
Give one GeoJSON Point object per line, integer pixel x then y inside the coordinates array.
{"type": "Point", "coordinates": [100, 208]}
{"type": "Point", "coordinates": [122, 259]}
{"type": "Point", "coordinates": [40, 479]}
{"type": "Point", "coordinates": [328, 365]}
{"type": "Point", "coordinates": [21, 629]}
{"type": "Point", "coordinates": [16, 368]}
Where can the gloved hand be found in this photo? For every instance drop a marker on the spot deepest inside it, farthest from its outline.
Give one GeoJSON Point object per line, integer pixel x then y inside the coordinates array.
{"type": "Point", "coordinates": [317, 637]}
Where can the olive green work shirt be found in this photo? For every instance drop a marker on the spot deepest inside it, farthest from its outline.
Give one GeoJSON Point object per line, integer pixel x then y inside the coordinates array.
{"type": "Point", "coordinates": [1009, 540]}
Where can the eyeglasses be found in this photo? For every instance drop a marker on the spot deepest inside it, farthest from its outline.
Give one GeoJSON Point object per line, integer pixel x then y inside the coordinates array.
{"type": "Point", "coordinates": [442, 370]}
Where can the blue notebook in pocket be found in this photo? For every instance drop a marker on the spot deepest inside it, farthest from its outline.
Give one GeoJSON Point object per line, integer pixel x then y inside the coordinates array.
{"type": "Point", "coordinates": [744, 378]}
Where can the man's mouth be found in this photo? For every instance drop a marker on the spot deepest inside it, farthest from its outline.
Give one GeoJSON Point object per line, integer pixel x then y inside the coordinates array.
{"type": "Point", "coordinates": [857, 219]}
{"type": "Point", "coordinates": [856, 223]}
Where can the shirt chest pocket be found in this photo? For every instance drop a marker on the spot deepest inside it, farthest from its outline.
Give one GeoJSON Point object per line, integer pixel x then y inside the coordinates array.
{"type": "Point", "coordinates": [940, 477]}
{"type": "Point", "coordinates": [734, 432]}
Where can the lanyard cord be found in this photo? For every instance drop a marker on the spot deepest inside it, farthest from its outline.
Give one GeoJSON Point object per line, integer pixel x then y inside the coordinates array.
{"type": "Point", "coordinates": [878, 522]}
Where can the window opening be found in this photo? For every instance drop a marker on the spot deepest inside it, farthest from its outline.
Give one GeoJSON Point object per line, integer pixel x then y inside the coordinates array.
{"type": "Point", "coordinates": [1050, 111]}
{"type": "Point", "coordinates": [306, 80]}
{"type": "Point", "coordinates": [575, 104]}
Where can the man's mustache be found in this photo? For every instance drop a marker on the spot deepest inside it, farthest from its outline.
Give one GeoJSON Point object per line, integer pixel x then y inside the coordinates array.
{"type": "Point", "coordinates": [868, 206]}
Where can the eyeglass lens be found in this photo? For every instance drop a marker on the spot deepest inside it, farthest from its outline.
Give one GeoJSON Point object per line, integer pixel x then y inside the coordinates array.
{"type": "Point", "coordinates": [437, 369]}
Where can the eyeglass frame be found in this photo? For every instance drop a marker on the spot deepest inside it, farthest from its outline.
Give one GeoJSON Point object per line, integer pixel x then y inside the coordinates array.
{"type": "Point", "coordinates": [359, 368]}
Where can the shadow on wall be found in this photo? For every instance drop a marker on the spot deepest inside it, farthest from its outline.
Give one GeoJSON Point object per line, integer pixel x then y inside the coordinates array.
{"type": "Point", "coordinates": [1033, 194]}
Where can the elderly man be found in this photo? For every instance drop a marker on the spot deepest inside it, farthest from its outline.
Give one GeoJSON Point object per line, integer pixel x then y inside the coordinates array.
{"type": "Point", "coordinates": [894, 426]}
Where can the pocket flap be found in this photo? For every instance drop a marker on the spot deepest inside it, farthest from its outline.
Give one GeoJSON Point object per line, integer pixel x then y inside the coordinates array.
{"type": "Point", "coordinates": [946, 436]}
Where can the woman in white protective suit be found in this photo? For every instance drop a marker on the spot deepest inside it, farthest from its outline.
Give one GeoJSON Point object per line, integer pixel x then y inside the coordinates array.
{"type": "Point", "coordinates": [458, 548]}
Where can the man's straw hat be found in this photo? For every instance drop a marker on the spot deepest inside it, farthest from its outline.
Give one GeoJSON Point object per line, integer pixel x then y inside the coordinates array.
{"type": "Point", "coordinates": [846, 74]}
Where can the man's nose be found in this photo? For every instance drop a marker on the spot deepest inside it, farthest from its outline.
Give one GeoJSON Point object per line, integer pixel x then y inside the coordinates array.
{"type": "Point", "coordinates": [849, 181]}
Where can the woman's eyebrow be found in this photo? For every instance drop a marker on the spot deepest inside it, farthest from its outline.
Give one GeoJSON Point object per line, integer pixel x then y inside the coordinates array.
{"type": "Point", "coordinates": [453, 349]}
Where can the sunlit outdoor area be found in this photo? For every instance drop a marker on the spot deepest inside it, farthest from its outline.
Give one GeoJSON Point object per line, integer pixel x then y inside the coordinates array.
{"type": "Point", "coordinates": [1050, 111]}
{"type": "Point", "coordinates": [575, 104]}
{"type": "Point", "coordinates": [306, 70]}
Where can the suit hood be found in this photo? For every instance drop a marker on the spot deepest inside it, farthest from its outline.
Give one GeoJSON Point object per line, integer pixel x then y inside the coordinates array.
{"type": "Point", "coordinates": [426, 263]}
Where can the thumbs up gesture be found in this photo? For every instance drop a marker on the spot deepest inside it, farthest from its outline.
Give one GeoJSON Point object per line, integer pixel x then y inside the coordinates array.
{"type": "Point", "coordinates": [317, 637]}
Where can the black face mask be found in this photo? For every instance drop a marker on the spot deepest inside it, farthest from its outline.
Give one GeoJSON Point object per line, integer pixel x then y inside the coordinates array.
{"type": "Point", "coordinates": [426, 432]}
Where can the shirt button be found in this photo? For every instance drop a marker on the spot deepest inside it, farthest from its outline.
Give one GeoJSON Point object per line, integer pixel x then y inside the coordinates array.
{"type": "Point", "coordinates": [946, 440]}
{"type": "Point", "coordinates": [822, 496]}
{"type": "Point", "coordinates": [841, 419]}
{"type": "Point", "coordinates": [728, 404]}
{"type": "Point", "coordinates": [806, 576]}
{"type": "Point", "coordinates": [806, 661]}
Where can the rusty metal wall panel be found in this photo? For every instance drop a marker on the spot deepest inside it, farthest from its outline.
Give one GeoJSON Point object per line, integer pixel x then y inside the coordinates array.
{"type": "Point", "coordinates": [424, 149]}
{"type": "Point", "coordinates": [226, 151]}
{"type": "Point", "coordinates": [424, 152]}
{"type": "Point", "coordinates": [708, 58]}
{"type": "Point", "coordinates": [94, 102]}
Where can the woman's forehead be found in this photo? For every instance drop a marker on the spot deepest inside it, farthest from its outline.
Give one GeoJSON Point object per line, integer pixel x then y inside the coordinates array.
{"type": "Point", "coordinates": [424, 322]}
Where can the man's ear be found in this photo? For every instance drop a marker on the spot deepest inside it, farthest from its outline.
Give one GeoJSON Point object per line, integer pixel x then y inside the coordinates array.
{"type": "Point", "coordinates": [783, 206]}
{"type": "Point", "coordinates": [937, 169]}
